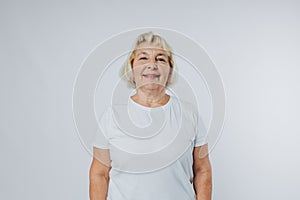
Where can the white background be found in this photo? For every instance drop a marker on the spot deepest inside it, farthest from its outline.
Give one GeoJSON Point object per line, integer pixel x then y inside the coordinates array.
{"type": "Point", "coordinates": [254, 44]}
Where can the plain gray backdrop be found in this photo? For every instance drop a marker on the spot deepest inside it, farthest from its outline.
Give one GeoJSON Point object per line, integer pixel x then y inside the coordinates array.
{"type": "Point", "coordinates": [254, 44]}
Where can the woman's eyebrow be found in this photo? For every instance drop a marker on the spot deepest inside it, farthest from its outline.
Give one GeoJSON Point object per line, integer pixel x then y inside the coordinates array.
{"type": "Point", "coordinates": [162, 54]}
{"type": "Point", "coordinates": [143, 52]}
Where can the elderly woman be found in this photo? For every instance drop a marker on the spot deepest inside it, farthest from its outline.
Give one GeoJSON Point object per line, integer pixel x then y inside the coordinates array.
{"type": "Point", "coordinates": [188, 177]}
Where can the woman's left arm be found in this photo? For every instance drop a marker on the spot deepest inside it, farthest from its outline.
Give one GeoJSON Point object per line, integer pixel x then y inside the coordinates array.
{"type": "Point", "coordinates": [202, 173]}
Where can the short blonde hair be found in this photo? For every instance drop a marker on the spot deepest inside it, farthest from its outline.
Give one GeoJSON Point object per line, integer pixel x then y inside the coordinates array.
{"type": "Point", "coordinates": [150, 38]}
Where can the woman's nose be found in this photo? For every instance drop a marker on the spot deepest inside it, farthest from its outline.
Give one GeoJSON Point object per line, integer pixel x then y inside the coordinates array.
{"type": "Point", "coordinates": [152, 65]}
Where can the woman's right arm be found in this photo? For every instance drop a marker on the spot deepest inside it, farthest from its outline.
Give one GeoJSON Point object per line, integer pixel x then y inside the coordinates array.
{"type": "Point", "coordinates": [99, 174]}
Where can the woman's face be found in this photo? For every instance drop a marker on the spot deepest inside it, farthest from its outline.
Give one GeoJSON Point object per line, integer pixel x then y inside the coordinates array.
{"type": "Point", "coordinates": [151, 67]}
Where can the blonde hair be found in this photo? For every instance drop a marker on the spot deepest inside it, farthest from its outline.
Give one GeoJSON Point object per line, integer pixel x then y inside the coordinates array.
{"type": "Point", "coordinates": [149, 38]}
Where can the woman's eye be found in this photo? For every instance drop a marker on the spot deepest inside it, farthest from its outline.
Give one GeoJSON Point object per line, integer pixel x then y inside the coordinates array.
{"type": "Point", "coordinates": [142, 58]}
{"type": "Point", "coordinates": [161, 59]}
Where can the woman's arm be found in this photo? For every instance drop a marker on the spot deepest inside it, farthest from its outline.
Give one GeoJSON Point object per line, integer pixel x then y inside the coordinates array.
{"type": "Point", "coordinates": [99, 174]}
{"type": "Point", "coordinates": [202, 173]}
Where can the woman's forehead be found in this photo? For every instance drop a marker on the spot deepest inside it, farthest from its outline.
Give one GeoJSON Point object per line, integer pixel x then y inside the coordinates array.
{"type": "Point", "coordinates": [149, 49]}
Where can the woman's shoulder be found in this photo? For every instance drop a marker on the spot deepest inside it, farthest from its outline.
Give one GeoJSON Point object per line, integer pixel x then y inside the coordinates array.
{"type": "Point", "coordinates": [184, 104]}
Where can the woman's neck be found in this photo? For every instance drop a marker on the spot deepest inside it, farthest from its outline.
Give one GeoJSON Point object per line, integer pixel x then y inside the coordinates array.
{"type": "Point", "coordinates": [151, 99]}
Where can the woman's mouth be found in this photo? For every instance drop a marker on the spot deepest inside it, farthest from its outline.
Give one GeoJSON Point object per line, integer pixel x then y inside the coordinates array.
{"type": "Point", "coordinates": [151, 76]}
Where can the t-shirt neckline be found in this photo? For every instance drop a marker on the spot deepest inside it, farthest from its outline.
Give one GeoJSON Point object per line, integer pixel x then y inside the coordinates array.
{"type": "Point", "coordinates": [151, 108]}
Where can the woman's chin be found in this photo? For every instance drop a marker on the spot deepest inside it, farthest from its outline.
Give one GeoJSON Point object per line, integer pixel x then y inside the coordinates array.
{"type": "Point", "coordinates": [151, 86]}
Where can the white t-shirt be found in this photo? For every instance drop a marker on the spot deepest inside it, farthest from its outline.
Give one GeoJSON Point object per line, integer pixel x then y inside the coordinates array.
{"type": "Point", "coordinates": [152, 165]}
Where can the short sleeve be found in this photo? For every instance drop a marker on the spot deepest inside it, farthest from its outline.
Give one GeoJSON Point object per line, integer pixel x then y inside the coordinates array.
{"type": "Point", "coordinates": [101, 136]}
{"type": "Point", "coordinates": [201, 132]}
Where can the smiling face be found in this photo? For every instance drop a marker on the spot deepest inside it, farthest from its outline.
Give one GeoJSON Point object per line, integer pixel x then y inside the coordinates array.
{"type": "Point", "coordinates": [151, 67]}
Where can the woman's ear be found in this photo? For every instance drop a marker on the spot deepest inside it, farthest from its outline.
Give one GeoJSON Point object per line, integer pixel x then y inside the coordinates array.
{"type": "Point", "coordinates": [131, 63]}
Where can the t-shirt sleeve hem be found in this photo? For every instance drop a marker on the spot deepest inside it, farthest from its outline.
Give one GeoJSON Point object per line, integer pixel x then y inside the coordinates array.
{"type": "Point", "coordinates": [100, 146]}
{"type": "Point", "coordinates": [201, 143]}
